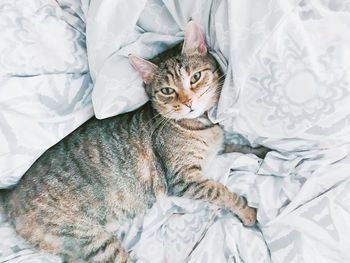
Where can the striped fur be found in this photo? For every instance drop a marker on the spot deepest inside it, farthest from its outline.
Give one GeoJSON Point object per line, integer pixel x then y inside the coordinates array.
{"type": "Point", "coordinates": [79, 192]}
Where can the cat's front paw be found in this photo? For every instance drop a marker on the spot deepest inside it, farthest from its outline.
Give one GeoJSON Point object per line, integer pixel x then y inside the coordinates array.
{"type": "Point", "coordinates": [248, 216]}
{"type": "Point", "coordinates": [123, 257]}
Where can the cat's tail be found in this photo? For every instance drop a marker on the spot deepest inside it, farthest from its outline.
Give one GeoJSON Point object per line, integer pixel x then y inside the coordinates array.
{"type": "Point", "coordinates": [112, 249]}
{"type": "Point", "coordinates": [88, 241]}
{"type": "Point", "coordinates": [102, 246]}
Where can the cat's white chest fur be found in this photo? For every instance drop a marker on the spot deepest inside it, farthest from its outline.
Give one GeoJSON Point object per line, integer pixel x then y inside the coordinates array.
{"type": "Point", "coordinates": [214, 138]}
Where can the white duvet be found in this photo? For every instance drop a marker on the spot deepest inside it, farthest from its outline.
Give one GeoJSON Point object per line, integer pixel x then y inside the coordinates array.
{"type": "Point", "coordinates": [287, 87]}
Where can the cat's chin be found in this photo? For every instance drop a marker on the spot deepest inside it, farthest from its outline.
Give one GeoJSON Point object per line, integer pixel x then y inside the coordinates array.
{"type": "Point", "coordinates": [193, 115]}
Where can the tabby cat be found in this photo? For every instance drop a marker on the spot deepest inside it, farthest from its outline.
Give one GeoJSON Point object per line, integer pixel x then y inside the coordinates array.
{"type": "Point", "coordinates": [80, 191]}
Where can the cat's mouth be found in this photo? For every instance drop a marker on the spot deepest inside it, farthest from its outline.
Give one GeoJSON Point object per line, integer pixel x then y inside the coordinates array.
{"type": "Point", "coordinates": [196, 110]}
{"type": "Point", "coordinates": [193, 113]}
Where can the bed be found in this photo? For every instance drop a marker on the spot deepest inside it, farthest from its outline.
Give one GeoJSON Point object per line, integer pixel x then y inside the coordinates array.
{"type": "Point", "coordinates": [287, 88]}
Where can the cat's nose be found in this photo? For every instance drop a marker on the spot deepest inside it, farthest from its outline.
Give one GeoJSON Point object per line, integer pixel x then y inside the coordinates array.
{"type": "Point", "coordinates": [188, 103]}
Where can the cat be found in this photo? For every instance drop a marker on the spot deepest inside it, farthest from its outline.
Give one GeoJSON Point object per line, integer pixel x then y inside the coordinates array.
{"type": "Point", "coordinates": [74, 198]}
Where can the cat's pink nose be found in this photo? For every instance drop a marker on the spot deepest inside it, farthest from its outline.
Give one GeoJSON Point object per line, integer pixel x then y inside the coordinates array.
{"type": "Point", "coordinates": [188, 103]}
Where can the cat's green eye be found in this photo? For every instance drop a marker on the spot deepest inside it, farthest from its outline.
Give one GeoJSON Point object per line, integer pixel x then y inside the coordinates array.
{"type": "Point", "coordinates": [167, 91]}
{"type": "Point", "coordinates": [196, 76]}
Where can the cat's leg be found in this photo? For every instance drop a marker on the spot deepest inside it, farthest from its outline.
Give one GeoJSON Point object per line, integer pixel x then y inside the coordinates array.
{"type": "Point", "coordinates": [195, 186]}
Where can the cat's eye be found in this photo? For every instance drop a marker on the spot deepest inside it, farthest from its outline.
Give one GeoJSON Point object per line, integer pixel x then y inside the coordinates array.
{"type": "Point", "coordinates": [195, 77]}
{"type": "Point", "coordinates": [167, 91]}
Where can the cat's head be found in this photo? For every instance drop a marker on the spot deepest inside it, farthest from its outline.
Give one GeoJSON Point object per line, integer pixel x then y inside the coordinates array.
{"type": "Point", "coordinates": [184, 84]}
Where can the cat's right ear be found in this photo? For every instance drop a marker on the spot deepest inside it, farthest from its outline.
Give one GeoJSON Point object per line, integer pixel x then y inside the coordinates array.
{"type": "Point", "coordinates": [145, 68]}
{"type": "Point", "coordinates": [194, 43]}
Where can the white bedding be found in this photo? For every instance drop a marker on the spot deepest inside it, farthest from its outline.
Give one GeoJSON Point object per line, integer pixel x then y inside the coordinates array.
{"type": "Point", "coordinates": [45, 87]}
{"type": "Point", "coordinates": [287, 87]}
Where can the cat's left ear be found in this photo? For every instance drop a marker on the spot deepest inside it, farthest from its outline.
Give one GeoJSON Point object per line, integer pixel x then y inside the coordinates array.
{"type": "Point", "coordinates": [145, 68]}
{"type": "Point", "coordinates": [194, 43]}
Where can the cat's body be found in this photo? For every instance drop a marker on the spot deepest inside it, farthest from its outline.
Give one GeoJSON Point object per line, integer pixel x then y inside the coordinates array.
{"type": "Point", "coordinates": [76, 195]}
{"type": "Point", "coordinates": [101, 182]}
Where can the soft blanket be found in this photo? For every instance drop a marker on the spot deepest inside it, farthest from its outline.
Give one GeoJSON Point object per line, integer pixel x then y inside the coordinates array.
{"type": "Point", "coordinates": [287, 88]}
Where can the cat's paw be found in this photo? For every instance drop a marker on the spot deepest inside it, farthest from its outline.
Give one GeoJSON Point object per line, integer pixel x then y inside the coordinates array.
{"type": "Point", "coordinates": [123, 257]}
{"type": "Point", "coordinates": [248, 216]}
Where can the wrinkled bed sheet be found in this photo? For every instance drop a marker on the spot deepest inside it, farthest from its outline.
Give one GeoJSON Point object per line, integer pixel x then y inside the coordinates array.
{"type": "Point", "coordinates": [287, 87]}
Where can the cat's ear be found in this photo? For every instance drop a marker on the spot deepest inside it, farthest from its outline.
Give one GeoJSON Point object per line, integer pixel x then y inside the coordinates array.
{"type": "Point", "coordinates": [145, 68]}
{"type": "Point", "coordinates": [194, 42]}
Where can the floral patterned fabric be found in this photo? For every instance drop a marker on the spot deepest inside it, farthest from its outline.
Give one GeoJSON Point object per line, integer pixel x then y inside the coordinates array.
{"type": "Point", "coordinates": [287, 87]}
{"type": "Point", "coordinates": [45, 86]}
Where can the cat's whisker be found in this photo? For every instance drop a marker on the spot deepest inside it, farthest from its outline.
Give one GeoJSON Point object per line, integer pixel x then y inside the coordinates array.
{"type": "Point", "coordinates": [219, 80]}
{"type": "Point", "coordinates": [162, 120]}
{"type": "Point", "coordinates": [205, 91]}
{"type": "Point", "coordinates": [166, 121]}
{"type": "Point", "coordinates": [216, 71]}
{"type": "Point", "coordinates": [208, 89]}
{"type": "Point", "coordinates": [221, 75]}
{"type": "Point", "coordinates": [160, 125]}
{"type": "Point", "coordinates": [155, 116]}
{"type": "Point", "coordinates": [215, 84]}
{"type": "Point", "coordinates": [157, 125]}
